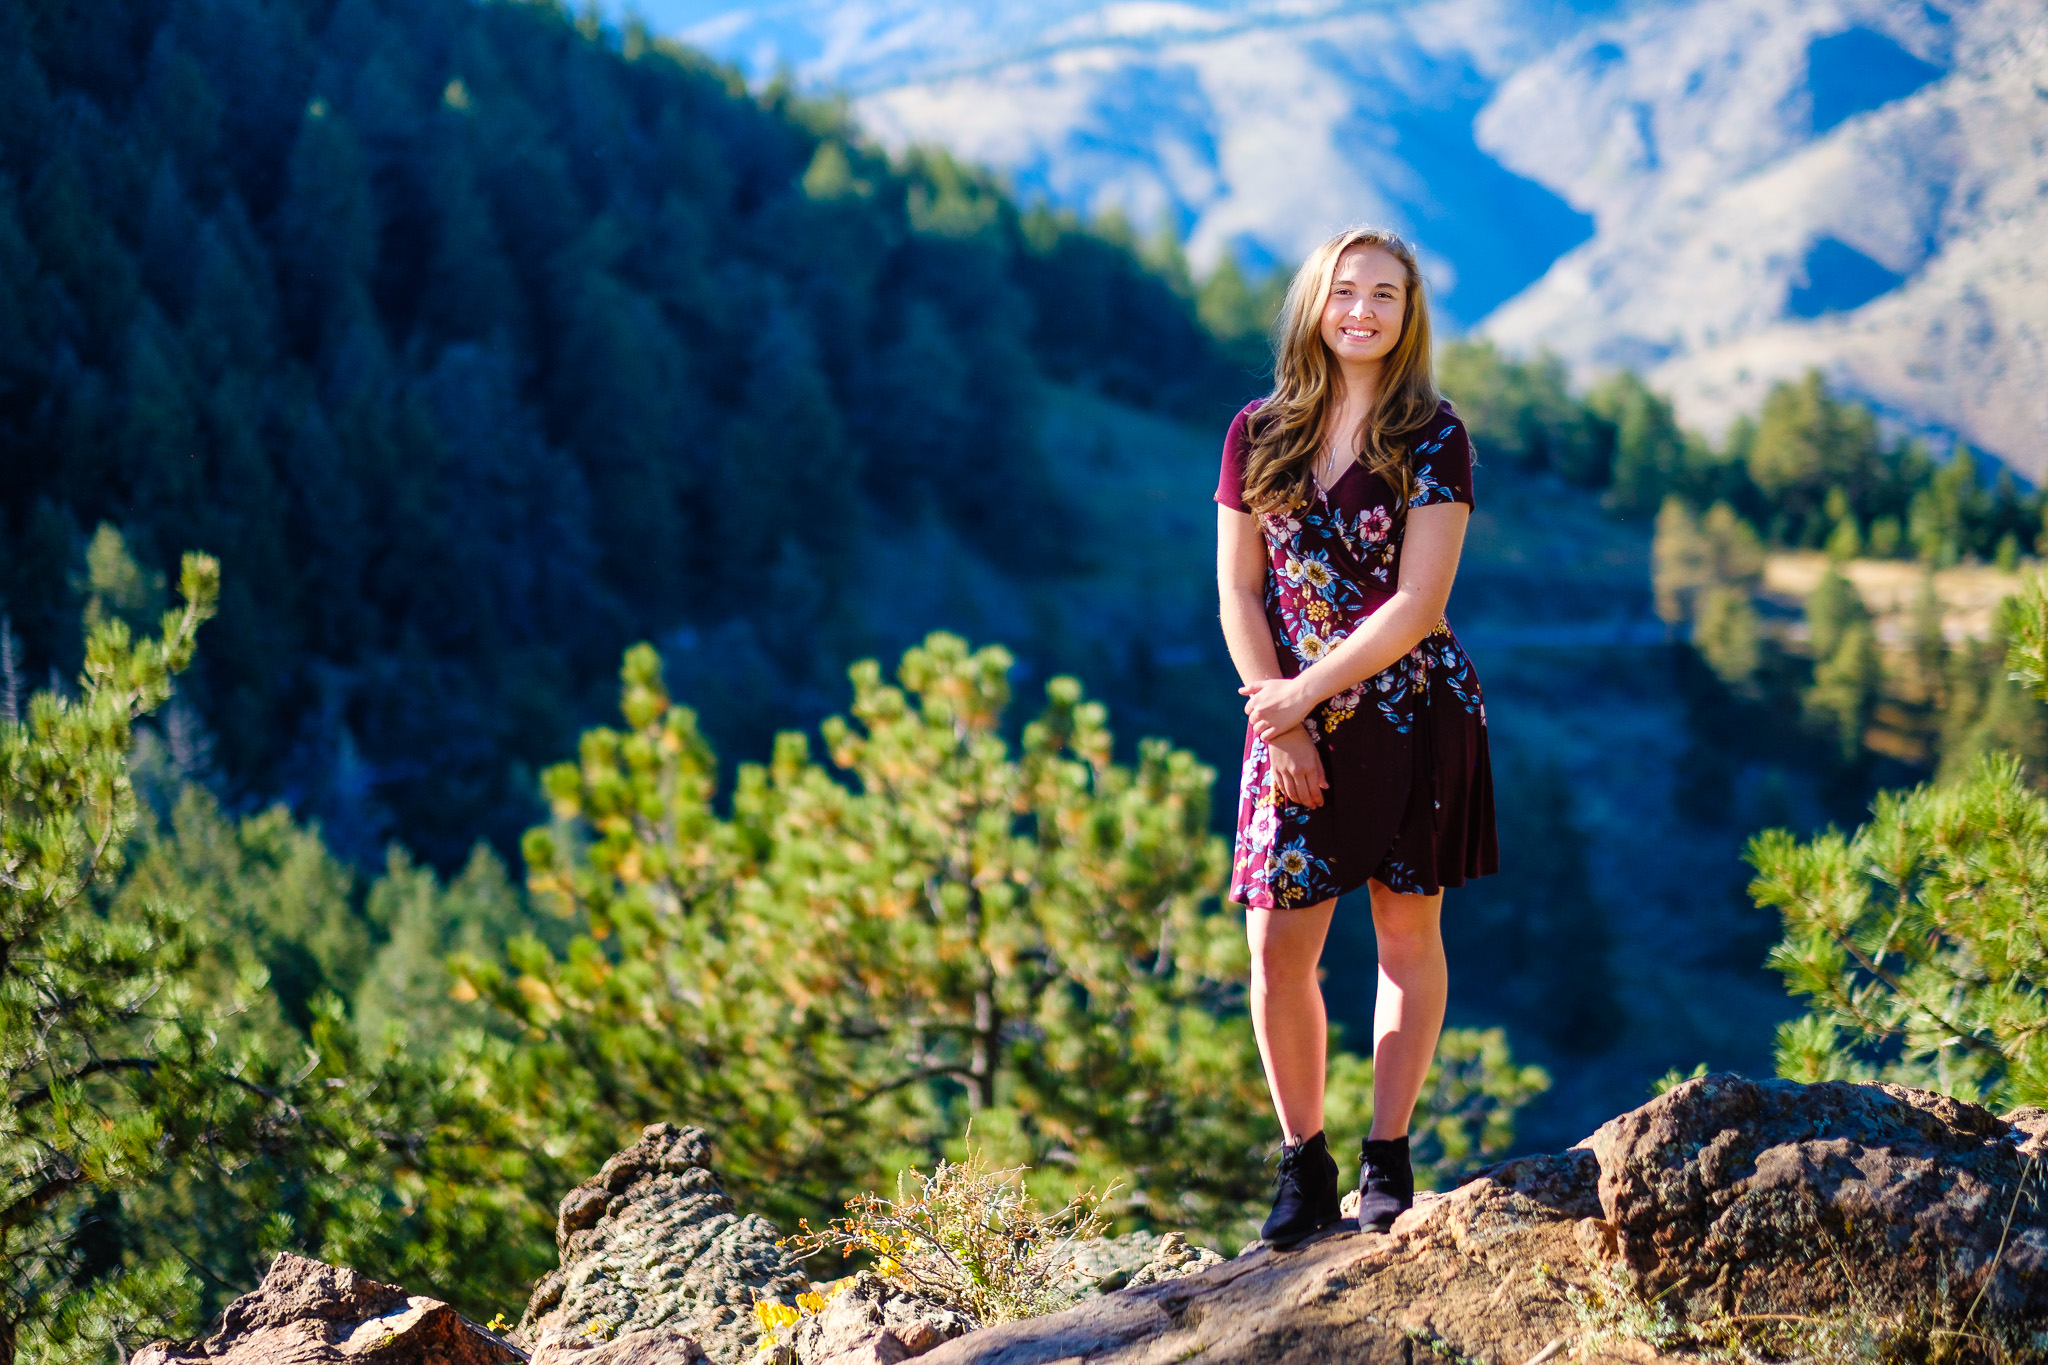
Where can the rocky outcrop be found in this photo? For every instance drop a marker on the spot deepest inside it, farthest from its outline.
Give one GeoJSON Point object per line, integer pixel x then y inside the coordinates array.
{"type": "Point", "coordinates": [1773, 1197]}
{"type": "Point", "coordinates": [308, 1313]}
{"type": "Point", "coordinates": [1456, 1279]}
{"type": "Point", "coordinates": [1725, 1195]}
{"type": "Point", "coordinates": [1725, 1201]}
{"type": "Point", "coordinates": [657, 1266]}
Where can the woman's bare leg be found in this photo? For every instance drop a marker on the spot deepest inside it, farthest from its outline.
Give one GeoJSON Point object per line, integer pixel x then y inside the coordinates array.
{"type": "Point", "coordinates": [1287, 1012]}
{"type": "Point", "coordinates": [1408, 1012]}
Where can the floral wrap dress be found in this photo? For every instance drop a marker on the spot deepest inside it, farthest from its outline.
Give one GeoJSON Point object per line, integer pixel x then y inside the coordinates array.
{"type": "Point", "coordinates": [1410, 796]}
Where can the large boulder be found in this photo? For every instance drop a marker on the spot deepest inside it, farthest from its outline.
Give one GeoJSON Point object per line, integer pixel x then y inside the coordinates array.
{"type": "Point", "coordinates": [1765, 1199]}
{"type": "Point", "coordinates": [1775, 1197]}
{"type": "Point", "coordinates": [657, 1267]}
{"type": "Point", "coordinates": [309, 1313]}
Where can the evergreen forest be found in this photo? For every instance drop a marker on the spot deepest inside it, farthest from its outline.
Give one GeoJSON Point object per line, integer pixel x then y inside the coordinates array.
{"type": "Point", "coordinates": [495, 513]}
{"type": "Point", "coordinates": [476, 347]}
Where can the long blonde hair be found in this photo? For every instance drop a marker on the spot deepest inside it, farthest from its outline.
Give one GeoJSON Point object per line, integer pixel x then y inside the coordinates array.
{"type": "Point", "coordinates": [1286, 432]}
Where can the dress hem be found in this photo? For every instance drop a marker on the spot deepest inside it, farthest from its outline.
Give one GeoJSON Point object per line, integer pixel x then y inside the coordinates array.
{"type": "Point", "coordinates": [1441, 888]}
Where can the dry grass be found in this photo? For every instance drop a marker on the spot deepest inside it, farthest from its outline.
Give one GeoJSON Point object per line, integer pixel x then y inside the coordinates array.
{"type": "Point", "coordinates": [1944, 1328]}
{"type": "Point", "coordinates": [1969, 593]}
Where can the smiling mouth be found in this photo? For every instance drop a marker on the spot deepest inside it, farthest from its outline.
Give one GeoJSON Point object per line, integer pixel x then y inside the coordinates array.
{"type": "Point", "coordinates": [1361, 333]}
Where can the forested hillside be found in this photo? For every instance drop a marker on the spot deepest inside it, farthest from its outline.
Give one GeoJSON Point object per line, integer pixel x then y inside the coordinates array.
{"type": "Point", "coordinates": [477, 343]}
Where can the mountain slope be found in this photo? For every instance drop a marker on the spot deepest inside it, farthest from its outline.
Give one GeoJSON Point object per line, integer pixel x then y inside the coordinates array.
{"type": "Point", "coordinates": [1720, 192]}
{"type": "Point", "coordinates": [1858, 185]}
{"type": "Point", "coordinates": [1255, 127]}
{"type": "Point", "coordinates": [477, 345]}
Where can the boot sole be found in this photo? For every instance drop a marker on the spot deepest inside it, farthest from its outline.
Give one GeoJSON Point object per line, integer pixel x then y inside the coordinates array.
{"type": "Point", "coordinates": [1323, 1233]}
{"type": "Point", "coordinates": [1375, 1226]}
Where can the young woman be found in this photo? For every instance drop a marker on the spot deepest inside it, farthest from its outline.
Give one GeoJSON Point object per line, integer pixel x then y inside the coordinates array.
{"type": "Point", "coordinates": [1341, 511]}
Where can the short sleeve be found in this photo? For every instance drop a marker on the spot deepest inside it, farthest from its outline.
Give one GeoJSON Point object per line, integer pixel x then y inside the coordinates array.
{"type": "Point", "coordinates": [1237, 447]}
{"type": "Point", "coordinates": [1442, 461]}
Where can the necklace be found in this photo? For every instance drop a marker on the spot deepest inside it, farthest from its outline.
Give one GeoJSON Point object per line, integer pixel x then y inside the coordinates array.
{"type": "Point", "coordinates": [1328, 469]}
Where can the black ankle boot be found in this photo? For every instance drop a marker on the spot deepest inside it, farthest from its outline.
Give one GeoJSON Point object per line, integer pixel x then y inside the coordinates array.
{"type": "Point", "coordinates": [1305, 1199]}
{"type": "Point", "coordinates": [1386, 1182]}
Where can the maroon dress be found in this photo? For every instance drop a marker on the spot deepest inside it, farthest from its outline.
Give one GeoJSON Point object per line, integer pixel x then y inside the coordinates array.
{"type": "Point", "coordinates": [1410, 800]}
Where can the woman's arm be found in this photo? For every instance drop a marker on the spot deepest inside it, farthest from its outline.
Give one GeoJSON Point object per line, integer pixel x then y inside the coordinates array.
{"type": "Point", "coordinates": [1297, 766]}
{"type": "Point", "coordinates": [1241, 592]}
{"type": "Point", "coordinates": [1429, 563]}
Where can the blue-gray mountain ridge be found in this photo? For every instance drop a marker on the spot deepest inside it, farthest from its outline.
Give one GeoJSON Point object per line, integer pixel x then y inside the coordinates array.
{"type": "Point", "coordinates": [1721, 193]}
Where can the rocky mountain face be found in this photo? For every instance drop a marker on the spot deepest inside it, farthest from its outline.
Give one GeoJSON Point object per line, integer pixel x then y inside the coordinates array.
{"type": "Point", "coordinates": [1725, 1201]}
{"type": "Point", "coordinates": [1254, 126]}
{"type": "Point", "coordinates": [1858, 185]}
{"type": "Point", "coordinates": [1719, 192]}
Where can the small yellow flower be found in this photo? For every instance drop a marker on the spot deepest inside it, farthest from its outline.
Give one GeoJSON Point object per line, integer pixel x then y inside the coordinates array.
{"type": "Point", "coordinates": [774, 1316]}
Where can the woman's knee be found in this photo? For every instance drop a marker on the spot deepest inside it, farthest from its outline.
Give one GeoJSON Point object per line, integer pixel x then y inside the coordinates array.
{"type": "Point", "coordinates": [1282, 961]}
{"type": "Point", "coordinates": [1408, 933]}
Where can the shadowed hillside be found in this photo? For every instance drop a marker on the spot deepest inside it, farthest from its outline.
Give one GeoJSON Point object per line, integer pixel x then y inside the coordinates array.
{"type": "Point", "coordinates": [478, 343]}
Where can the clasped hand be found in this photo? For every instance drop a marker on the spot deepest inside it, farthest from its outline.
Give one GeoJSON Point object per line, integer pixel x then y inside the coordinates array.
{"type": "Point", "coordinates": [1275, 706]}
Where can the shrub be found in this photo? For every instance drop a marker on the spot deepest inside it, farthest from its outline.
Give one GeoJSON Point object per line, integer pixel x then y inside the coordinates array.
{"type": "Point", "coordinates": [970, 1237]}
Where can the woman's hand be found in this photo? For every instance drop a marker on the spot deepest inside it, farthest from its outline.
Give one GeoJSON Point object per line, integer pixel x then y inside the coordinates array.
{"type": "Point", "coordinates": [1276, 705]}
{"type": "Point", "coordinates": [1297, 768]}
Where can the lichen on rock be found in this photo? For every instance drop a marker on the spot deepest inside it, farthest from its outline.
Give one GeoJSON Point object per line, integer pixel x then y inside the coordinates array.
{"type": "Point", "coordinates": [657, 1266]}
{"type": "Point", "coordinates": [1732, 1199]}
{"type": "Point", "coordinates": [1107, 1264]}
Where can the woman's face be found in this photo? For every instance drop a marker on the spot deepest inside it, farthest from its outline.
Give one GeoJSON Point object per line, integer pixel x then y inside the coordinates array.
{"type": "Point", "coordinates": [1367, 304]}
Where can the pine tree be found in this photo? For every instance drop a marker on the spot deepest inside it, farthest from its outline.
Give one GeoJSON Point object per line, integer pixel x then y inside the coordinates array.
{"type": "Point", "coordinates": [99, 1072]}
{"type": "Point", "coordinates": [1916, 939]}
{"type": "Point", "coordinates": [1704, 572]}
{"type": "Point", "coordinates": [1651, 451]}
{"type": "Point", "coordinates": [1524, 411]}
{"type": "Point", "coordinates": [1847, 670]}
{"type": "Point", "coordinates": [856, 963]}
{"type": "Point", "coordinates": [185, 1093]}
{"type": "Point", "coordinates": [1845, 687]}
{"type": "Point", "coordinates": [1808, 443]}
